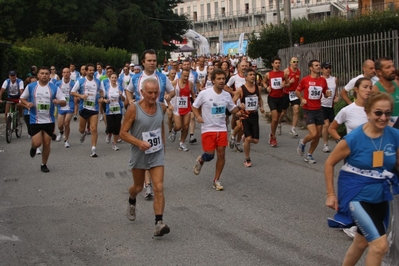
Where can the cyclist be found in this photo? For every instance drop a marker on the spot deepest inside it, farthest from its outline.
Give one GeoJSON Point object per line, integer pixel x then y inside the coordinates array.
{"type": "Point", "coordinates": [14, 87]}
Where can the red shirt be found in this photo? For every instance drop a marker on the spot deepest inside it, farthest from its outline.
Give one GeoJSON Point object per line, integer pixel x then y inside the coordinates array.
{"type": "Point", "coordinates": [183, 99]}
{"type": "Point", "coordinates": [276, 84]}
{"type": "Point", "coordinates": [312, 89]}
{"type": "Point", "coordinates": [295, 75]}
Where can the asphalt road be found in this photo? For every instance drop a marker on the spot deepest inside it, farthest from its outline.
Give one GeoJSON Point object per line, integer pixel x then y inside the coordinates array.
{"type": "Point", "coordinates": [270, 214]}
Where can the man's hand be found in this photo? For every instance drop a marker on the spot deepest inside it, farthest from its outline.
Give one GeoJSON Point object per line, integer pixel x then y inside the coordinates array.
{"type": "Point", "coordinates": [144, 145]}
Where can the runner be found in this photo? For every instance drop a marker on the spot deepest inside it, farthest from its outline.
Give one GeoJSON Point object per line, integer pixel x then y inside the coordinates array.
{"type": "Point", "coordinates": [76, 76]}
{"type": "Point", "coordinates": [294, 75]}
{"type": "Point", "coordinates": [113, 98]}
{"type": "Point", "coordinates": [88, 90]}
{"type": "Point", "coordinates": [327, 104]}
{"type": "Point", "coordinates": [40, 98]}
{"type": "Point", "coordinates": [210, 110]}
{"type": "Point", "coordinates": [181, 105]}
{"type": "Point", "coordinates": [65, 113]}
{"type": "Point", "coordinates": [100, 75]}
{"type": "Point", "coordinates": [309, 92]}
{"type": "Point", "coordinates": [144, 120]}
{"type": "Point", "coordinates": [207, 82]}
{"type": "Point", "coordinates": [249, 95]}
{"type": "Point", "coordinates": [169, 111]}
{"type": "Point", "coordinates": [274, 83]}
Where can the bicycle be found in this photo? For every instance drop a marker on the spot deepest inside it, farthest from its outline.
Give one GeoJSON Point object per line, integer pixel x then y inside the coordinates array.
{"type": "Point", "coordinates": [13, 123]}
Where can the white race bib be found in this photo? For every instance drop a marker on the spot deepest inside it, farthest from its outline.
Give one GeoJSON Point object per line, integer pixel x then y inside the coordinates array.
{"type": "Point", "coordinates": [182, 102]}
{"type": "Point", "coordinates": [292, 96]}
{"type": "Point", "coordinates": [251, 103]}
{"type": "Point", "coordinates": [315, 92]}
{"type": "Point", "coordinates": [276, 83]}
{"type": "Point", "coordinates": [155, 139]}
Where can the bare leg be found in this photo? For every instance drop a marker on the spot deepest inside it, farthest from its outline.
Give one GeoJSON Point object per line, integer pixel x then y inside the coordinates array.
{"type": "Point", "coordinates": [93, 128]}
{"type": "Point", "coordinates": [220, 161]}
{"type": "Point", "coordinates": [46, 147]}
{"type": "Point", "coordinates": [157, 174]}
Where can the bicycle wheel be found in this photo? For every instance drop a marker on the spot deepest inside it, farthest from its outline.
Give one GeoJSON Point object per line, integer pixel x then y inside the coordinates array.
{"type": "Point", "coordinates": [18, 128]}
{"type": "Point", "coordinates": [8, 129]}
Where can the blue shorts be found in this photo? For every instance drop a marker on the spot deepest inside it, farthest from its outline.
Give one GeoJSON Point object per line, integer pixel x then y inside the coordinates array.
{"type": "Point", "coordinates": [64, 112]}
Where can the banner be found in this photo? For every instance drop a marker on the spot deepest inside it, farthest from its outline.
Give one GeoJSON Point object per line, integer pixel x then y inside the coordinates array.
{"type": "Point", "coordinates": [241, 43]}
{"type": "Point", "coordinates": [221, 49]}
{"type": "Point", "coordinates": [198, 39]}
{"type": "Point", "coordinates": [232, 47]}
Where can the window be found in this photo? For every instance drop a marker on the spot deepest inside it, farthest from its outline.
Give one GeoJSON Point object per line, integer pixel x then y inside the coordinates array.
{"type": "Point", "coordinates": [188, 10]}
{"type": "Point", "coordinates": [208, 10]}
{"type": "Point", "coordinates": [195, 16]}
{"type": "Point", "coordinates": [246, 8]}
{"type": "Point", "coordinates": [216, 8]}
{"type": "Point", "coordinates": [181, 11]}
{"type": "Point", "coordinates": [223, 11]}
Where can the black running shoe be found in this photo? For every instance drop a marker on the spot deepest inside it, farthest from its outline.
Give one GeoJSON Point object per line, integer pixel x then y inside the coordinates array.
{"type": "Point", "coordinates": [44, 168]}
{"type": "Point", "coordinates": [32, 152]}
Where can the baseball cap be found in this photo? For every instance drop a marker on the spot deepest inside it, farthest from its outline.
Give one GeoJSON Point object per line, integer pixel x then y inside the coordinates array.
{"type": "Point", "coordinates": [131, 64]}
{"type": "Point", "coordinates": [12, 73]}
{"type": "Point", "coordinates": [325, 64]}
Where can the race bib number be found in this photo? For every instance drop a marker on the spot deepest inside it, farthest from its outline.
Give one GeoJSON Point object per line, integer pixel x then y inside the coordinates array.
{"type": "Point", "coordinates": [90, 103]}
{"type": "Point", "coordinates": [218, 110]}
{"type": "Point", "coordinates": [315, 92]}
{"type": "Point", "coordinates": [251, 103]}
{"type": "Point", "coordinates": [276, 83]}
{"type": "Point", "coordinates": [155, 140]}
{"type": "Point", "coordinates": [114, 107]}
{"type": "Point", "coordinates": [292, 96]}
{"type": "Point", "coordinates": [43, 107]}
{"type": "Point", "coordinates": [182, 102]}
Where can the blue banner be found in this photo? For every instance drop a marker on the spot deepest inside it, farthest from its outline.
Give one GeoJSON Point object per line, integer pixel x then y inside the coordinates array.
{"type": "Point", "coordinates": [232, 47]}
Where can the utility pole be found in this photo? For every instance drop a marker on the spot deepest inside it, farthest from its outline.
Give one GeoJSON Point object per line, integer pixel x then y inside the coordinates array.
{"type": "Point", "coordinates": [278, 12]}
{"type": "Point", "coordinates": [287, 18]}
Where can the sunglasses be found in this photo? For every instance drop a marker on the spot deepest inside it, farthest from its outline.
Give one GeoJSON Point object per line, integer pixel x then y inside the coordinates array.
{"type": "Point", "coordinates": [294, 61]}
{"type": "Point", "coordinates": [327, 67]}
{"type": "Point", "coordinates": [380, 113]}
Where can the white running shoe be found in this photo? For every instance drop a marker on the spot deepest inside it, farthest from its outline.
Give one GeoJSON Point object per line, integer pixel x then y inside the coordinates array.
{"type": "Point", "coordinates": [101, 117]}
{"type": "Point", "coordinates": [66, 144]}
{"type": "Point", "coordinates": [108, 138]}
{"type": "Point", "coordinates": [59, 137]}
{"type": "Point", "coordinates": [293, 132]}
{"type": "Point", "coordinates": [93, 152]}
{"type": "Point", "coordinates": [326, 148]}
{"type": "Point", "coordinates": [182, 147]}
{"type": "Point", "coordinates": [38, 151]}
{"type": "Point", "coordinates": [115, 147]}
{"type": "Point", "coordinates": [279, 129]}
{"type": "Point", "coordinates": [350, 231]}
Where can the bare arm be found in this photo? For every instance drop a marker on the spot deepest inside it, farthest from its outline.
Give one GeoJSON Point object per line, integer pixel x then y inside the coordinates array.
{"type": "Point", "coordinates": [332, 129]}
{"type": "Point", "coordinates": [237, 95]}
{"type": "Point", "coordinates": [197, 114]}
{"type": "Point", "coordinates": [345, 97]}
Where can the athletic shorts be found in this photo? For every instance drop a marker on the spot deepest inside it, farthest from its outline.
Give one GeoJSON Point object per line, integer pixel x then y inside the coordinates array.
{"type": "Point", "coordinates": [287, 102]}
{"type": "Point", "coordinates": [328, 113]}
{"type": "Point", "coordinates": [371, 218]}
{"type": "Point", "coordinates": [64, 112]}
{"type": "Point", "coordinates": [251, 127]}
{"type": "Point", "coordinates": [48, 128]}
{"type": "Point", "coordinates": [86, 114]}
{"type": "Point", "coordinates": [140, 160]}
{"type": "Point", "coordinates": [313, 117]}
{"type": "Point", "coordinates": [275, 103]}
{"type": "Point", "coordinates": [212, 140]}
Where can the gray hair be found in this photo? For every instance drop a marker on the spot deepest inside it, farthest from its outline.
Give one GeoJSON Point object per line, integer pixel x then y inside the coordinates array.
{"type": "Point", "coordinates": [149, 80]}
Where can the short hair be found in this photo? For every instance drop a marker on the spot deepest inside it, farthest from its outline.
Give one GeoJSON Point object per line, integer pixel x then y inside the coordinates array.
{"type": "Point", "coordinates": [185, 70]}
{"type": "Point", "coordinates": [89, 65]}
{"type": "Point", "coordinates": [217, 71]}
{"type": "Point", "coordinates": [72, 64]}
{"type": "Point", "coordinates": [147, 81]}
{"type": "Point", "coordinates": [110, 67]}
{"type": "Point", "coordinates": [44, 68]}
{"type": "Point", "coordinates": [375, 97]}
{"type": "Point", "coordinates": [99, 63]}
{"type": "Point", "coordinates": [149, 51]}
{"type": "Point", "coordinates": [310, 64]}
{"type": "Point", "coordinates": [378, 62]}
{"type": "Point", "coordinates": [274, 58]}
{"type": "Point", "coordinates": [28, 80]}
{"type": "Point", "coordinates": [227, 62]}
{"type": "Point", "coordinates": [249, 70]}
{"type": "Point", "coordinates": [357, 84]}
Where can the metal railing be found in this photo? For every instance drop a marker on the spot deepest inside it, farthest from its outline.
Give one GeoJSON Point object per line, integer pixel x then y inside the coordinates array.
{"type": "Point", "coordinates": [346, 55]}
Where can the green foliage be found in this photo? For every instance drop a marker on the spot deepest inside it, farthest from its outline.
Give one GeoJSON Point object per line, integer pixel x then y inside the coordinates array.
{"type": "Point", "coordinates": [274, 37]}
{"type": "Point", "coordinates": [337, 107]}
{"type": "Point", "coordinates": [56, 50]}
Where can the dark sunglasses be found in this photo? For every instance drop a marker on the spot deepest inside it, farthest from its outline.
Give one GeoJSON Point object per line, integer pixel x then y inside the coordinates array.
{"type": "Point", "coordinates": [380, 113]}
{"type": "Point", "coordinates": [294, 61]}
{"type": "Point", "coordinates": [327, 67]}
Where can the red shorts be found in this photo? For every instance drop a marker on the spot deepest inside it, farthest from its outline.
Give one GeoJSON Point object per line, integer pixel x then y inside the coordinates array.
{"type": "Point", "coordinates": [212, 140]}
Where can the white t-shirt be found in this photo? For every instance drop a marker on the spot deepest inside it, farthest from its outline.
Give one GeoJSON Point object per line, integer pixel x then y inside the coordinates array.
{"type": "Point", "coordinates": [332, 86]}
{"type": "Point", "coordinates": [237, 80]}
{"type": "Point", "coordinates": [65, 87]}
{"type": "Point", "coordinates": [14, 88]}
{"type": "Point", "coordinates": [213, 107]}
{"type": "Point", "coordinates": [351, 83]}
{"type": "Point", "coordinates": [144, 76]}
{"type": "Point", "coordinates": [90, 89]}
{"type": "Point", "coordinates": [352, 116]}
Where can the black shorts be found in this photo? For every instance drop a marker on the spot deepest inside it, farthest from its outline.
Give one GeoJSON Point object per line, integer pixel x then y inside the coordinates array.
{"type": "Point", "coordinates": [251, 127]}
{"type": "Point", "coordinates": [48, 128]}
{"type": "Point", "coordinates": [313, 117]}
{"type": "Point", "coordinates": [275, 103]}
{"type": "Point", "coordinates": [86, 114]}
{"type": "Point", "coordinates": [328, 113]}
{"type": "Point", "coordinates": [287, 102]}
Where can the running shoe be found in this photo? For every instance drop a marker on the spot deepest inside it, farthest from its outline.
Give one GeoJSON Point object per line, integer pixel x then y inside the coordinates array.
{"type": "Point", "coordinates": [38, 151]}
{"type": "Point", "coordinates": [93, 152]}
{"type": "Point", "coordinates": [279, 129]}
{"type": "Point", "coordinates": [192, 139]}
{"type": "Point", "coordinates": [161, 229]}
{"type": "Point", "coordinates": [148, 191]}
{"type": "Point", "coordinates": [247, 163]}
{"type": "Point", "coordinates": [108, 138]}
{"type": "Point", "coordinates": [326, 148]}
{"type": "Point", "coordinates": [272, 141]}
{"type": "Point", "coordinates": [119, 140]}
{"type": "Point", "coordinates": [293, 132]}
{"type": "Point", "coordinates": [88, 132]}
{"type": "Point", "coordinates": [54, 137]}
{"type": "Point", "coordinates": [32, 152]}
{"type": "Point", "coordinates": [75, 118]}
{"type": "Point", "coordinates": [101, 117]}
{"type": "Point", "coordinates": [198, 165]}
{"type": "Point", "coordinates": [172, 136]}
{"type": "Point", "coordinates": [301, 147]}
{"type": "Point", "coordinates": [182, 147]}
{"type": "Point", "coordinates": [131, 212]}
{"type": "Point", "coordinates": [115, 147]}
{"type": "Point", "coordinates": [66, 144]}
{"type": "Point", "coordinates": [44, 168]}
{"type": "Point", "coordinates": [232, 142]}
{"type": "Point", "coordinates": [82, 137]}
{"type": "Point", "coordinates": [238, 148]}
{"type": "Point", "coordinates": [217, 185]}
{"type": "Point", "coordinates": [309, 158]}
{"type": "Point", "coordinates": [350, 231]}
{"type": "Point", "coordinates": [59, 137]}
